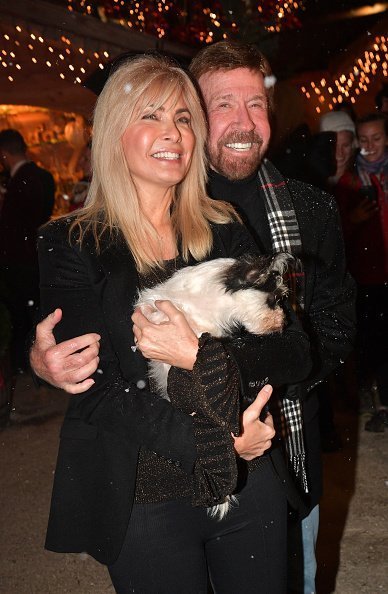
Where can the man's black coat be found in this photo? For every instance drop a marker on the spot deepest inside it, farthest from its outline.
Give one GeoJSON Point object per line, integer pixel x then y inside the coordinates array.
{"type": "Point", "coordinates": [329, 312]}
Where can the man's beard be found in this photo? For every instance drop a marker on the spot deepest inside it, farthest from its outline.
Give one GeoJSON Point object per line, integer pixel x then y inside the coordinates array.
{"type": "Point", "coordinates": [240, 167]}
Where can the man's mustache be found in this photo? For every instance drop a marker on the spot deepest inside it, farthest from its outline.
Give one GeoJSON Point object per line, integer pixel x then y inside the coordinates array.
{"type": "Point", "coordinates": [243, 137]}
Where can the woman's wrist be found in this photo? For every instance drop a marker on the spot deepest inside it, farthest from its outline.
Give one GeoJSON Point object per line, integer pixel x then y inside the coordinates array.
{"type": "Point", "coordinates": [190, 355]}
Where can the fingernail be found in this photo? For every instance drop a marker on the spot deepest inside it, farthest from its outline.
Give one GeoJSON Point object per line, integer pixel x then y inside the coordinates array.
{"type": "Point", "coordinates": [267, 388]}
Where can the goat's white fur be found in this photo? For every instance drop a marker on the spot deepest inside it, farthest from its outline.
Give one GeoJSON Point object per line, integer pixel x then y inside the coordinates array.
{"type": "Point", "coordinates": [200, 293]}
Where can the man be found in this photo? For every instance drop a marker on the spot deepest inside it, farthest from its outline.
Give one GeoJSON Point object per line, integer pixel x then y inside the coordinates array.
{"type": "Point", "coordinates": [28, 203]}
{"type": "Point", "coordinates": [231, 77]}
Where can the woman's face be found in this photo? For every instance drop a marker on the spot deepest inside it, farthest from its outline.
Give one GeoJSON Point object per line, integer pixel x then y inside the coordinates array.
{"type": "Point", "coordinates": [344, 149]}
{"type": "Point", "coordinates": [158, 145]}
{"type": "Point", "coordinates": [372, 140]}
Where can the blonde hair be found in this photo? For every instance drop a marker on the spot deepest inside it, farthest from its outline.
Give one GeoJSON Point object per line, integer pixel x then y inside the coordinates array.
{"type": "Point", "coordinates": [112, 204]}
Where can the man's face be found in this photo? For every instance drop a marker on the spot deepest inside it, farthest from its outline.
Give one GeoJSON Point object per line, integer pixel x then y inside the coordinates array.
{"type": "Point", "coordinates": [4, 162]}
{"type": "Point", "coordinates": [239, 129]}
{"type": "Point", "coordinates": [372, 140]}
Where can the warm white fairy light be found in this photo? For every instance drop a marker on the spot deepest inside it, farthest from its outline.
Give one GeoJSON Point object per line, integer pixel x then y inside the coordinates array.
{"type": "Point", "coordinates": [359, 77]}
{"type": "Point", "coordinates": [48, 54]}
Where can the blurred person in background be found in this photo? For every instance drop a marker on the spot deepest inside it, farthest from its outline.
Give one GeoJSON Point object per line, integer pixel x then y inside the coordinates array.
{"type": "Point", "coordinates": [341, 124]}
{"type": "Point", "coordinates": [362, 196]}
{"type": "Point", "coordinates": [381, 100]}
{"type": "Point", "coordinates": [28, 201]}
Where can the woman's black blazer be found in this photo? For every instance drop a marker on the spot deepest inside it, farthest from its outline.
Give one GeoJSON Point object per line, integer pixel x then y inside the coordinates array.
{"type": "Point", "coordinates": [103, 429]}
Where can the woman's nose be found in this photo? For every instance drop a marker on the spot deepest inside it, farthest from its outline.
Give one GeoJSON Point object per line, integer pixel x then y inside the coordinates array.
{"type": "Point", "coordinates": [171, 132]}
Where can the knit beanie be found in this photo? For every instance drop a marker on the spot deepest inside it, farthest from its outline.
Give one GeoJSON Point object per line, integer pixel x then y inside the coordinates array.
{"type": "Point", "coordinates": [336, 121]}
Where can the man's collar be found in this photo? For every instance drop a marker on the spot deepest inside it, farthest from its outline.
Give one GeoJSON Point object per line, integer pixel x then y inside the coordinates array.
{"type": "Point", "coordinates": [16, 167]}
{"type": "Point", "coordinates": [214, 175]}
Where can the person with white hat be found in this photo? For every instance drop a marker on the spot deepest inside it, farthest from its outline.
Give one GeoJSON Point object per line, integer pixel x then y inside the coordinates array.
{"type": "Point", "coordinates": [345, 129]}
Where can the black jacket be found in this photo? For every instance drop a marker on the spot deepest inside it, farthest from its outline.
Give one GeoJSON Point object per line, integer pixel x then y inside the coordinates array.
{"type": "Point", "coordinates": [28, 203]}
{"type": "Point", "coordinates": [104, 428]}
{"type": "Point", "coordinates": [329, 314]}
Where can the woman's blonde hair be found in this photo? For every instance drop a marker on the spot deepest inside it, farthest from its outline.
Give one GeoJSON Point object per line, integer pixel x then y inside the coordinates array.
{"type": "Point", "coordinates": [112, 204]}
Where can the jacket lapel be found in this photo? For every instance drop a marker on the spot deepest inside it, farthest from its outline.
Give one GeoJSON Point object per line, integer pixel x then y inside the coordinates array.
{"type": "Point", "coordinates": [118, 295]}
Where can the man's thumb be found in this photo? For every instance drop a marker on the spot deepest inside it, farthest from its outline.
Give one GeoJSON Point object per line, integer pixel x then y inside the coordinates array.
{"type": "Point", "coordinates": [260, 401]}
{"type": "Point", "coordinates": [44, 329]}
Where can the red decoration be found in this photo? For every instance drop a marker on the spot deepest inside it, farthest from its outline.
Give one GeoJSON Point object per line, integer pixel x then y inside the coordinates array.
{"type": "Point", "coordinates": [192, 22]}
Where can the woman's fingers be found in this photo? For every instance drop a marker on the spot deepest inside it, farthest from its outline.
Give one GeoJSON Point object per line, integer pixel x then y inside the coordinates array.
{"type": "Point", "coordinates": [171, 341]}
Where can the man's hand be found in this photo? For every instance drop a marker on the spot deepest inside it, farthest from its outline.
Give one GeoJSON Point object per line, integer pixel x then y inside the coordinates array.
{"type": "Point", "coordinates": [67, 365]}
{"type": "Point", "coordinates": [256, 436]}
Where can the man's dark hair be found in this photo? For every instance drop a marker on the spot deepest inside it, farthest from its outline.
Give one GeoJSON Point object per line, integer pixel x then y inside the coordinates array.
{"type": "Point", "coordinates": [229, 55]}
{"type": "Point", "coordinates": [12, 141]}
{"type": "Point", "coordinates": [373, 117]}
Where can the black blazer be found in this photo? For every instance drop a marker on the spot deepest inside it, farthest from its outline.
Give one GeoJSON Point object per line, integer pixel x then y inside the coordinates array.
{"type": "Point", "coordinates": [28, 203]}
{"type": "Point", "coordinates": [104, 428]}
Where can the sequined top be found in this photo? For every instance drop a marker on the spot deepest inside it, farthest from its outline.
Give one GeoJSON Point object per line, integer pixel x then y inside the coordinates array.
{"type": "Point", "coordinates": [210, 392]}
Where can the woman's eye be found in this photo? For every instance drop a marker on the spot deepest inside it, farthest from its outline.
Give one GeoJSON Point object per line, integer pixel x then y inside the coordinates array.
{"type": "Point", "coordinates": [184, 120]}
{"type": "Point", "coordinates": [149, 116]}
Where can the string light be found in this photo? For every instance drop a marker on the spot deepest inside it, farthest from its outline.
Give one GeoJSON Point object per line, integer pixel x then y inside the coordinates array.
{"type": "Point", "coordinates": [68, 57]}
{"type": "Point", "coordinates": [359, 77]}
{"type": "Point", "coordinates": [49, 53]}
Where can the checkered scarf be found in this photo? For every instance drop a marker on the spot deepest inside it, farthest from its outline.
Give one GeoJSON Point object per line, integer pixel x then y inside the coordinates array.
{"type": "Point", "coordinates": [286, 237]}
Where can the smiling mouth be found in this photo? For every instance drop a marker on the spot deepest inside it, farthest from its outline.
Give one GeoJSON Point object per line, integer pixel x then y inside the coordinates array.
{"type": "Point", "coordinates": [240, 146]}
{"type": "Point", "coordinates": [365, 152]}
{"type": "Point", "coordinates": [166, 155]}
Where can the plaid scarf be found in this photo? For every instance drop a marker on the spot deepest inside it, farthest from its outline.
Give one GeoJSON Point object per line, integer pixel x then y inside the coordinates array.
{"type": "Point", "coordinates": [286, 237]}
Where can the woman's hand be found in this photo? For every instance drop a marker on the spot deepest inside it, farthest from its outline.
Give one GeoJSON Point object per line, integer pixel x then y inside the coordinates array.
{"type": "Point", "coordinates": [365, 210]}
{"type": "Point", "coordinates": [172, 342]}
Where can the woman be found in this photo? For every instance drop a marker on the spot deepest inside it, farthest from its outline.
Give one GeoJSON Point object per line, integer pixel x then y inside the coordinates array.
{"type": "Point", "coordinates": [362, 197]}
{"type": "Point", "coordinates": [135, 474]}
